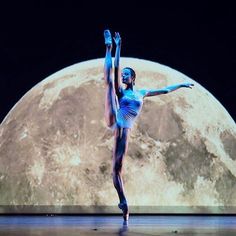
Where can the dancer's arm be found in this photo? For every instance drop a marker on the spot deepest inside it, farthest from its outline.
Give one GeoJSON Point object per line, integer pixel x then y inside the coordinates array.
{"type": "Point", "coordinates": [168, 89]}
{"type": "Point", "coordinates": [117, 40]}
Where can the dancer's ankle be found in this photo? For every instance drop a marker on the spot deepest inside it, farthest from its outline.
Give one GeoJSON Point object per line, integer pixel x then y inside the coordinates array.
{"type": "Point", "coordinates": [109, 47]}
{"type": "Point", "coordinates": [123, 201]}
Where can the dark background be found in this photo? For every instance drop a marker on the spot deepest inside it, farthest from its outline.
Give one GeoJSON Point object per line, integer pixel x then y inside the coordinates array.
{"type": "Point", "coordinates": [194, 38]}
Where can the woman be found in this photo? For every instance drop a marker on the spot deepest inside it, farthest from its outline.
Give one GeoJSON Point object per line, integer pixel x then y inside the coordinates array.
{"type": "Point", "coordinates": [122, 107]}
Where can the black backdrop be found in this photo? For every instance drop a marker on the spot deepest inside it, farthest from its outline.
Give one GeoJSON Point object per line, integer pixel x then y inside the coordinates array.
{"type": "Point", "coordinates": [196, 39]}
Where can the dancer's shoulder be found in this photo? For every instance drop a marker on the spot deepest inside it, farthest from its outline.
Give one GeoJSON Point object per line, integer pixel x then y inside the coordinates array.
{"type": "Point", "coordinates": [143, 92]}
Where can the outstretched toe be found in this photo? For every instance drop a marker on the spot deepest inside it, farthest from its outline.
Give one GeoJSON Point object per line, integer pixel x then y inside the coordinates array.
{"type": "Point", "coordinates": [107, 37]}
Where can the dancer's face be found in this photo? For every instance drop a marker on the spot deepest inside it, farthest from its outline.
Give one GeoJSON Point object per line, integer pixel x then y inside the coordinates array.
{"type": "Point", "coordinates": [126, 76]}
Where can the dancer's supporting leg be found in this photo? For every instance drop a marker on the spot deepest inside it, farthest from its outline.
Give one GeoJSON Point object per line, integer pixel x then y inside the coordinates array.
{"type": "Point", "coordinates": [119, 152]}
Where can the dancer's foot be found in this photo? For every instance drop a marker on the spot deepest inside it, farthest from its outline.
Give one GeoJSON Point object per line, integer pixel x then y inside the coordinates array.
{"type": "Point", "coordinates": [107, 37]}
{"type": "Point", "coordinates": [125, 209]}
{"type": "Point", "coordinates": [125, 224]}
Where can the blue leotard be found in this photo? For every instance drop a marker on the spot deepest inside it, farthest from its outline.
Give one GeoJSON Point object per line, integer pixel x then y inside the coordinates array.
{"type": "Point", "coordinates": [130, 105]}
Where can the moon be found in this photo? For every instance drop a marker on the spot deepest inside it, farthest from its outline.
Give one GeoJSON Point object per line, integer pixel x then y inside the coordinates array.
{"type": "Point", "coordinates": [56, 150]}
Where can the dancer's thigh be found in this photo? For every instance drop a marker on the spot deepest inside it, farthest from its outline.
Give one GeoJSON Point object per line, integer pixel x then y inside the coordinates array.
{"type": "Point", "coordinates": [121, 136]}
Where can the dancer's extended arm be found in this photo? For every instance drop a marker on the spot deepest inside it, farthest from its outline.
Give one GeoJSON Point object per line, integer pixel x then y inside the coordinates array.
{"type": "Point", "coordinates": [117, 40]}
{"type": "Point", "coordinates": [168, 89]}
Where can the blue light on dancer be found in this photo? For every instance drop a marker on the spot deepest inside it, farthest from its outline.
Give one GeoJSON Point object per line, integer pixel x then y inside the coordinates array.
{"type": "Point", "coordinates": [122, 107]}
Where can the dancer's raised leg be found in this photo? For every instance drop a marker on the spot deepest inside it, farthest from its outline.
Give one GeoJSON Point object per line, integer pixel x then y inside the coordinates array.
{"type": "Point", "coordinates": [110, 97]}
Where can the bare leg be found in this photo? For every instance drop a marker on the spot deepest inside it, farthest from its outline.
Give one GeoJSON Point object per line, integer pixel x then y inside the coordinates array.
{"type": "Point", "coordinates": [119, 151]}
{"type": "Point", "coordinates": [110, 97]}
{"type": "Point", "coordinates": [121, 134]}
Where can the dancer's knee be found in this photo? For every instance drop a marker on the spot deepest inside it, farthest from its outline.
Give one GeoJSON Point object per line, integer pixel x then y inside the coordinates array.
{"type": "Point", "coordinates": [108, 79]}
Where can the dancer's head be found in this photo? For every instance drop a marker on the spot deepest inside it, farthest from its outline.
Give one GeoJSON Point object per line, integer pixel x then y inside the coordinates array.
{"type": "Point", "coordinates": [128, 76]}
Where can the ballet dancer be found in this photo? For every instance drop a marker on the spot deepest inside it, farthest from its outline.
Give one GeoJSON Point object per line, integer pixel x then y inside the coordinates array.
{"type": "Point", "coordinates": [122, 107]}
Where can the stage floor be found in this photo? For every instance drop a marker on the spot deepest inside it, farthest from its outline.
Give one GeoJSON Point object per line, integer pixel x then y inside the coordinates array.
{"type": "Point", "coordinates": [113, 225]}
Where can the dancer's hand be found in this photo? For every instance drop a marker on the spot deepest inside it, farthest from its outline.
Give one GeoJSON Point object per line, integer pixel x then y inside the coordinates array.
{"type": "Point", "coordinates": [187, 85]}
{"type": "Point", "coordinates": [117, 39]}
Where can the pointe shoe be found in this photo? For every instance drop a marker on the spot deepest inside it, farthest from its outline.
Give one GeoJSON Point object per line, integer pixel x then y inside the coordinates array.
{"type": "Point", "coordinates": [107, 37]}
{"type": "Point", "coordinates": [125, 210]}
{"type": "Point", "coordinates": [125, 225]}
